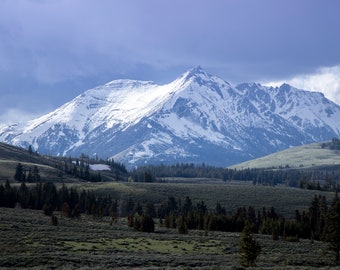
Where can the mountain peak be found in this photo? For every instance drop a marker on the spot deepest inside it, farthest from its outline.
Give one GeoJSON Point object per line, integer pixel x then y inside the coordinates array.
{"type": "Point", "coordinates": [128, 82]}
{"type": "Point", "coordinates": [196, 73]}
{"type": "Point", "coordinates": [285, 87]}
{"type": "Point", "coordinates": [196, 118]}
{"type": "Point", "coordinates": [197, 70]}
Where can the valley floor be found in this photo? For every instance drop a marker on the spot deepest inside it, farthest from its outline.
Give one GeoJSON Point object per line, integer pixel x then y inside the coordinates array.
{"type": "Point", "coordinates": [29, 241]}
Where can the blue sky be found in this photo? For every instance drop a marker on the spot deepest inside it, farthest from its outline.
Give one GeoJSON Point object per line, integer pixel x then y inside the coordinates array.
{"type": "Point", "coordinates": [51, 51]}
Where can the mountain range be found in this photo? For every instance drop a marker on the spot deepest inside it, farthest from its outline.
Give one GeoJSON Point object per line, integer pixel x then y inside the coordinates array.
{"type": "Point", "coordinates": [196, 118]}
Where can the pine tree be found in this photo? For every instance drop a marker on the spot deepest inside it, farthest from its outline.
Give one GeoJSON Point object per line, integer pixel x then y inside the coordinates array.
{"type": "Point", "coordinates": [29, 177]}
{"type": "Point", "coordinates": [249, 247]}
{"type": "Point", "coordinates": [147, 224]}
{"type": "Point", "coordinates": [54, 220]}
{"type": "Point", "coordinates": [182, 225]}
{"type": "Point", "coordinates": [66, 211]}
{"type": "Point", "coordinates": [332, 230]}
{"type": "Point", "coordinates": [76, 211]}
{"type": "Point", "coordinates": [2, 195]}
{"type": "Point", "coordinates": [35, 173]}
{"type": "Point", "coordinates": [150, 209]}
{"type": "Point", "coordinates": [138, 209]}
{"type": "Point", "coordinates": [23, 195]}
{"type": "Point", "coordinates": [9, 195]}
{"type": "Point", "coordinates": [142, 223]}
{"type": "Point", "coordinates": [19, 173]}
{"type": "Point", "coordinates": [47, 209]}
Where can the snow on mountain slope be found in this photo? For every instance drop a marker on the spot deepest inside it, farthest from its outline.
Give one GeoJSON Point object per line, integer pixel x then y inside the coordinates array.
{"type": "Point", "coordinates": [196, 118]}
{"type": "Point", "coordinates": [114, 105]}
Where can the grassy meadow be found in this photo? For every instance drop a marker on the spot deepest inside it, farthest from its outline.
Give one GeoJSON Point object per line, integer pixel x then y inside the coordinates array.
{"type": "Point", "coordinates": [29, 241]}
{"type": "Point", "coordinates": [305, 156]}
{"type": "Point", "coordinates": [231, 195]}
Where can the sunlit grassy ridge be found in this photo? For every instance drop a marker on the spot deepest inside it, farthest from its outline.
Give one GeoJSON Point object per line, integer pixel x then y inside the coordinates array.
{"type": "Point", "coordinates": [305, 156]}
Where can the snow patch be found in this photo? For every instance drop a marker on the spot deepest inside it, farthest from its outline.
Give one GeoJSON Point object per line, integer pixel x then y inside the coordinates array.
{"type": "Point", "coordinates": [100, 167]}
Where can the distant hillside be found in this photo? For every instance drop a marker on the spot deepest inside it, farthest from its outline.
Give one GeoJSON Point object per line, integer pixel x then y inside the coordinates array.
{"type": "Point", "coordinates": [10, 156]}
{"type": "Point", "coordinates": [306, 156]}
{"type": "Point", "coordinates": [56, 169]}
{"type": "Point", "coordinates": [9, 152]}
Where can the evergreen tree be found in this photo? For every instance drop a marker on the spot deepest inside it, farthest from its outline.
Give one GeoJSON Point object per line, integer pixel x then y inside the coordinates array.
{"type": "Point", "coordinates": [170, 221]}
{"type": "Point", "coordinates": [182, 225]}
{"type": "Point", "coordinates": [113, 209]}
{"type": "Point", "coordinates": [65, 210]}
{"type": "Point", "coordinates": [2, 195]}
{"type": "Point", "coordinates": [87, 173]}
{"type": "Point", "coordinates": [29, 177]}
{"type": "Point", "coordinates": [142, 223]}
{"type": "Point", "coordinates": [249, 247]}
{"type": "Point", "coordinates": [138, 209]}
{"type": "Point", "coordinates": [76, 211]}
{"type": "Point", "coordinates": [36, 174]}
{"type": "Point", "coordinates": [23, 195]}
{"type": "Point", "coordinates": [187, 206]}
{"type": "Point", "coordinates": [129, 206]}
{"type": "Point", "coordinates": [332, 230]}
{"type": "Point", "coordinates": [148, 177]}
{"type": "Point", "coordinates": [47, 209]}
{"type": "Point", "coordinates": [147, 224]}
{"type": "Point", "coordinates": [9, 195]}
{"type": "Point", "coordinates": [220, 210]}
{"type": "Point", "coordinates": [19, 173]}
{"type": "Point", "coordinates": [167, 206]}
{"type": "Point", "coordinates": [150, 209]}
{"type": "Point", "coordinates": [54, 220]}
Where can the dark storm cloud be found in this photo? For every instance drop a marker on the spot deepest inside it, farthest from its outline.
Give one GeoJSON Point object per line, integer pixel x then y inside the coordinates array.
{"type": "Point", "coordinates": [53, 50]}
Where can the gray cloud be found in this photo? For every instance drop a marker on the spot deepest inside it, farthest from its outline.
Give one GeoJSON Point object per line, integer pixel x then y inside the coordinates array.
{"type": "Point", "coordinates": [60, 48]}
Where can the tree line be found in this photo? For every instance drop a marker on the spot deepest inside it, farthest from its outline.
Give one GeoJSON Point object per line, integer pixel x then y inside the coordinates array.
{"type": "Point", "coordinates": [334, 144]}
{"type": "Point", "coordinates": [80, 168]}
{"type": "Point", "coordinates": [77, 168]}
{"type": "Point", "coordinates": [318, 222]}
{"type": "Point", "coordinates": [303, 178]}
{"type": "Point", "coordinates": [326, 178]}
{"type": "Point", "coordinates": [46, 197]}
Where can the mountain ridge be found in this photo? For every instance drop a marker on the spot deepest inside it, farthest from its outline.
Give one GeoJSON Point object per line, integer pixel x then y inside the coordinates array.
{"type": "Point", "coordinates": [196, 118]}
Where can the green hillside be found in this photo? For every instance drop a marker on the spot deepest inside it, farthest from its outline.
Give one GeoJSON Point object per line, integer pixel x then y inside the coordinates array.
{"type": "Point", "coordinates": [10, 156]}
{"type": "Point", "coordinates": [13, 153]}
{"type": "Point", "coordinates": [306, 156]}
{"type": "Point", "coordinates": [50, 168]}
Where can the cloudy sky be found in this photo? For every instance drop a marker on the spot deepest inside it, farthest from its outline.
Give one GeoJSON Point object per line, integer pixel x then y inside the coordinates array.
{"type": "Point", "coordinates": [51, 51]}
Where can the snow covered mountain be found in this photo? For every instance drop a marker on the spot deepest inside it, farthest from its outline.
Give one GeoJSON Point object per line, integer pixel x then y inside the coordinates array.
{"type": "Point", "coordinates": [196, 118]}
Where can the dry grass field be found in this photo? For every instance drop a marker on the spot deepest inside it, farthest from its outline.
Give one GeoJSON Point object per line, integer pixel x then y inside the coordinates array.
{"type": "Point", "coordinates": [231, 195]}
{"type": "Point", "coordinates": [29, 241]}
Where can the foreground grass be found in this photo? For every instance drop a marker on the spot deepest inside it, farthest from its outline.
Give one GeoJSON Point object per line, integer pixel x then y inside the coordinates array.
{"type": "Point", "coordinates": [27, 240]}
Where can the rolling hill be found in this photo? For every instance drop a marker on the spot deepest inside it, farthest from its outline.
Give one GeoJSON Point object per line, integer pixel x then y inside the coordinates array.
{"type": "Point", "coordinates": [306, 156]}
{"type": "Point", "coordinates": [10, 156]}
{"type": "Point", "coordinates": [50, 168]}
